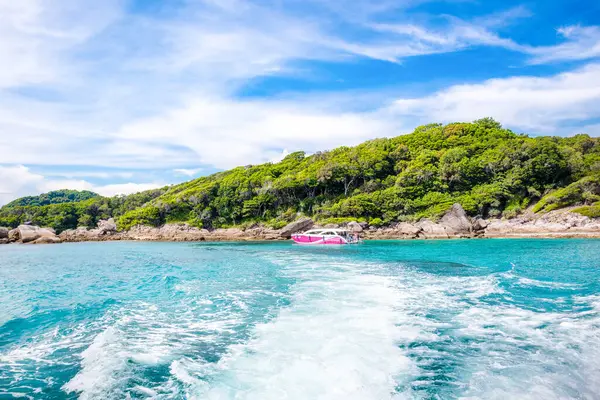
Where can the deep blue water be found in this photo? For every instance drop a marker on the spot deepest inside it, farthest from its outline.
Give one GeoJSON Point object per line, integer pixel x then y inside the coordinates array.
{"type": "Point", "coordinates": [477, 319]}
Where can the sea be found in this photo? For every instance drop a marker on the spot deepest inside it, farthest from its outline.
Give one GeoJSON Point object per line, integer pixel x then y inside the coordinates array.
{"type": "Point", "coordinates": [449, 319]}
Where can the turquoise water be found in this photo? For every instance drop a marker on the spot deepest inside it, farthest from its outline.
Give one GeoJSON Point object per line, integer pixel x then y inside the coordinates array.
{"type": "Point", "coordinates": [477, 319]}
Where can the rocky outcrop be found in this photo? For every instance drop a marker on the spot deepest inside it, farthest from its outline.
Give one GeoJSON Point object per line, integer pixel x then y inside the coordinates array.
{"type": "Point", "coordinates": [31, 234]}
{"type": "Point", "coordinates": [168, 232]}
{"type": "Point", "coordinates": [409, 230]}
{"type": "Point", "coordinates": [107, 226]}
{"type": "Point", "coordinates": [13, 235]}
{"type": "Point", "coordinates": [184, 232]}
{"type": "Point", "coordinates": [456, 219]}
{"type": "Point", "coordinates": [4, 235]}
{"type": "Point", "coordinates": [80, 234]}
{"type": "Point", "coordinates": [558, 223]}
{"type": "Point", "coordinates": [47, 240]}
{"type": "Point", "coordinates": [105, 230]}
{"type": "Point", "coordinates": [479, 224]}
{"type": "Point", "coordinates": [297, 226]}
{"type": "Point", "coordinates": [28, 233]}
{"type": "Point", "coordinates": [171, 232]}
{"type": "Point", "coordinates": [432, 230]}
{"type": "Point", "coordinates": [354, 227]}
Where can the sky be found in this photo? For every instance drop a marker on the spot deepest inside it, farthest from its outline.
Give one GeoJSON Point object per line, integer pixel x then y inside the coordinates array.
{"type": "Point", "coordinates": [118, 96]}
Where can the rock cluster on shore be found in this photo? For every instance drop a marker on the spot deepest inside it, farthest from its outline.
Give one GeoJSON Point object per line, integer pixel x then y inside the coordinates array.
{"type": "Point", "coordinates": [29, 234]}
{"type": "Point", "coordinates": [454, 224]}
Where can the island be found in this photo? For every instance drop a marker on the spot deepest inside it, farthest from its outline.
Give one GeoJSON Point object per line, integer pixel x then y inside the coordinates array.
{"type": "Point", "coordinates": [473, 179]}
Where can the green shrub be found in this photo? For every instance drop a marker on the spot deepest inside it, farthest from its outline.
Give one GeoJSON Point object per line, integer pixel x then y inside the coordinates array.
{"type": "Point", "coordinates": [376, 222]}
{"type": "Point", "coordinates": [589, 211]}
{"type": "Point", "coordinates": [149, 215]}
{"type": "Point", "coordinates": [585, 189]}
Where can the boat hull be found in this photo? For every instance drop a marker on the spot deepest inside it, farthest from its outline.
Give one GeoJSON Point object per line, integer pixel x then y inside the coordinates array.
{"type": "Point", "coordinates": [318, 240]}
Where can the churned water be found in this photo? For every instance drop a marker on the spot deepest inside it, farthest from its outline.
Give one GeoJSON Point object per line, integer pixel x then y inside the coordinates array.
{"type": "Point", "coordinates": [471, 319]}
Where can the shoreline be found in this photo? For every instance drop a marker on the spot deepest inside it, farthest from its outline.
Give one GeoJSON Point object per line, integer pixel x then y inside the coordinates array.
{"type": "Point", "coordinates": [455, 224]}
{"type": "Point", "coordinates": [548, 236]}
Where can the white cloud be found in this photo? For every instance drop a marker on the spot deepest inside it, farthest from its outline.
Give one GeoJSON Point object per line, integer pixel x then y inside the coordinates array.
{"type": "Point", "coordinates": [254, 131]}
{"type": "Point", "coordinates": [18, 181]}
{"type": "Point", "coordinates": [187, 171]}
{"type": "Point", "coordinates": [37, 34]}
{"type": "Point", "coordinates": [530, 103]}
{"type": "Point", "coordinates": [125, 188]}
{"type": "Point", "coordinates": [582, 43]}
{"type": "Point", "coordinates": [91, 174]}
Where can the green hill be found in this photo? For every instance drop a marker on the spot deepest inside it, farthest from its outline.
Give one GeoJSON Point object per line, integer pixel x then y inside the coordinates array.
{"type": "Point", "coordinates": [491, 171]}
{"type": "Point", "coordinates": [54, 197]}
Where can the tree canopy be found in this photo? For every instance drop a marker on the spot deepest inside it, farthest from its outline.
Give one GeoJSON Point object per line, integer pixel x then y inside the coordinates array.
{"type": "Point", "coordinates": [54, 197]}
{"type": "Point", "coordinates": [489, 170]}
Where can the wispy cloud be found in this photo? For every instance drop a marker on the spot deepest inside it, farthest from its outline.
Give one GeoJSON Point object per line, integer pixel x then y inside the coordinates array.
{"type": "Point", "coordinates": [187, 171]}
{"type": "Point", "coordinates": [581, 43]}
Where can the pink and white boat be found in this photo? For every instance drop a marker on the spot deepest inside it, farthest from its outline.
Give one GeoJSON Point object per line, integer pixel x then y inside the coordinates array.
{"type": "Point", "coordinates": [325, 236]}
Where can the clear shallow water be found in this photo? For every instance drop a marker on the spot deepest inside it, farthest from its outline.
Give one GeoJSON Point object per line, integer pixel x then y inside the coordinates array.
{"type": "Point", "coordinates": [489, 319]}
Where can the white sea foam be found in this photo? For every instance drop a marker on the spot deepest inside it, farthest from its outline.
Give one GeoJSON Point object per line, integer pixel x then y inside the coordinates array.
{"type": "Point", "coordinates": [141, 336]}
{"type": "Point", "coordinates": [337, 340]}
{"type": "Point", "coordinates": [511, 352]}
{"type": "Point", "coordinates": [549, 285]}
{"type": "Point", "coordinates": [530, 355]}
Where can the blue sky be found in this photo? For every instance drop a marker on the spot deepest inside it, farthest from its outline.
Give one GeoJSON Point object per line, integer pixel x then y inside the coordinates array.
{"type": "Point", "coordinates": [124, 95]}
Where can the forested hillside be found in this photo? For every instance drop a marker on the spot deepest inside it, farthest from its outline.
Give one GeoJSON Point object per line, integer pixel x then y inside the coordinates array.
{"type": "Point", "coordinates": [491, 171]}
{"type": "Point", "coordinates": [54, 197]}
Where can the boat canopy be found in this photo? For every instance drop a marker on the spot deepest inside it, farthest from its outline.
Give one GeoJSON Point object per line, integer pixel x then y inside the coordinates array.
{"type": "Point", "coordinates": [325, 232]}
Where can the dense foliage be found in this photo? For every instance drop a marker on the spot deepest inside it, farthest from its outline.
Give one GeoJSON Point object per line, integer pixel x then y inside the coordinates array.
{"type": "Point", "coordinates": [491, 171]}
{"type": "Point", "coordinates": [54, 197]}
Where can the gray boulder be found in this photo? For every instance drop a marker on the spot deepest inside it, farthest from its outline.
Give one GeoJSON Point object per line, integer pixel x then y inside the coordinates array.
{"type": "Point", "coordinates": [407, 229]}
{"type": "Point", "coordinates": [4, 233]}
{"type": "Point", "coordinates": [4, 241]}
{"type": "Point", "coordinates": [480, 224]}
{"type": "Point", "coordinates": [431, 230]}
{"type": "Point", "coordinates": [354, 226]}
{"type": "Point", "coordinates": [107, 226]}
{"type": "Point", "coordinates": [456, 219]}
{"type": "Point", "coordinates": [13, 235]}
{"type": "Point", "coordinates": [296, 226]}
{"type": "Point", "coordinates": [47, 240]}
{"type": "Point", "coordinates": [31, 233]}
